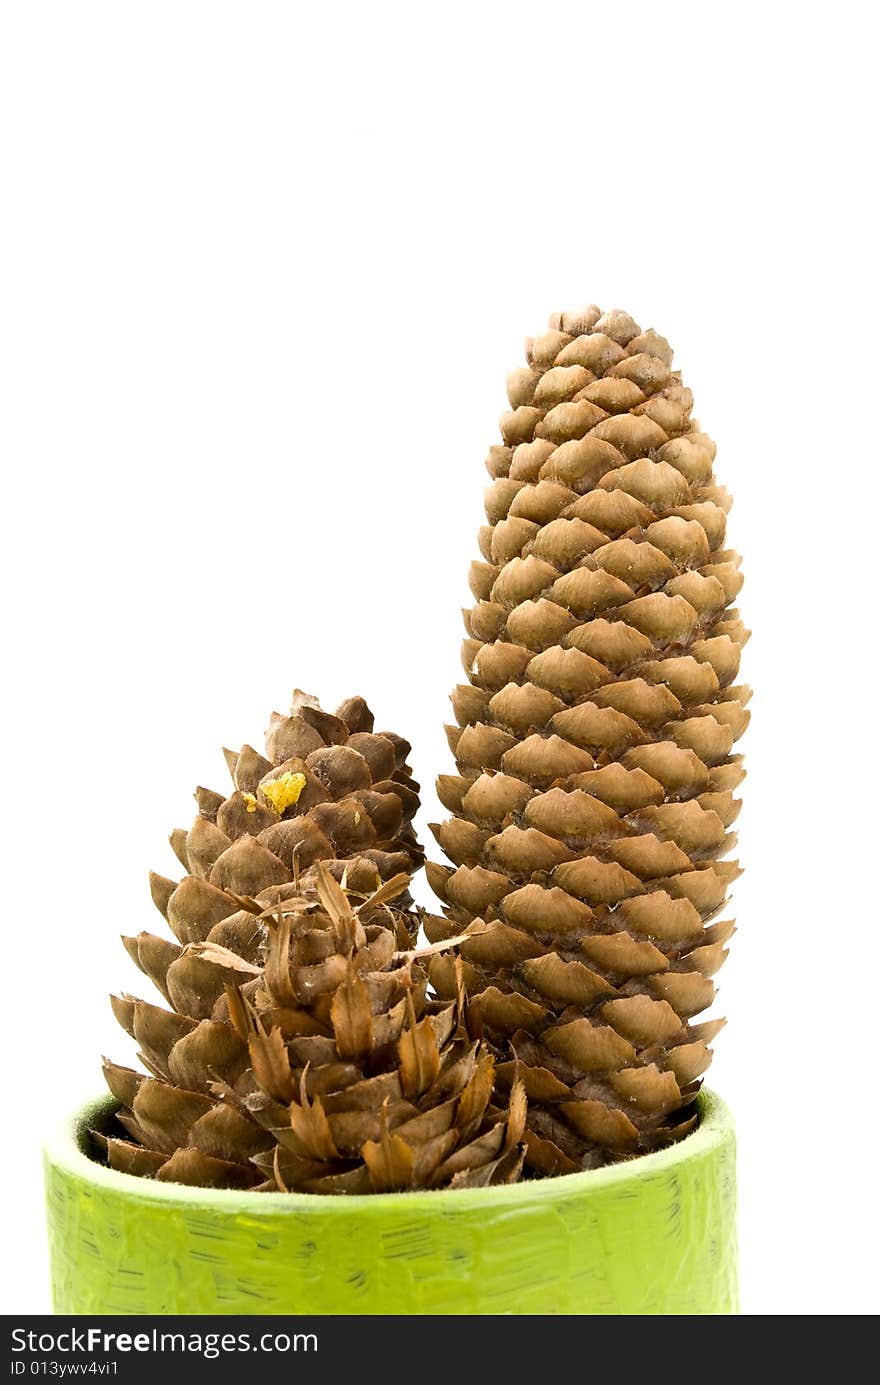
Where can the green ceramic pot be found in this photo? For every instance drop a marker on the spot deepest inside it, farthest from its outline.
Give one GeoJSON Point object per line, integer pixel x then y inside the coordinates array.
{"type": "Point", "coordinates": [656, 1235]}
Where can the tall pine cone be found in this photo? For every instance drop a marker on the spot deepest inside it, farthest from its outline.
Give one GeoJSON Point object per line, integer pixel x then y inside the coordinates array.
{"type": "Point", "coordinates": [593, 743]}
{"type": "Point", "coordinates": [324, 1068]}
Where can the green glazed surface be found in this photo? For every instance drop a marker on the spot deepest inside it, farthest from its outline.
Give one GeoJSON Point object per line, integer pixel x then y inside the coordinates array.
{"type": "Point", "coordinates": [656, 1235]}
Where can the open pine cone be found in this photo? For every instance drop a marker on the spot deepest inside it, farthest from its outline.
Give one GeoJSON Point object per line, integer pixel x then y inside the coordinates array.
{"type": "Point", "coordinates": [324, 1069]}
{"type": "Point", "coordinates": [594, 745]}
{"type": "Point", "coordinates": [300, 1050]}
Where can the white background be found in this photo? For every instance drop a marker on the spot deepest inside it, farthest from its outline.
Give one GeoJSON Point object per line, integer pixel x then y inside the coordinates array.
{"type": "Point", "coordinates": [265, 267]}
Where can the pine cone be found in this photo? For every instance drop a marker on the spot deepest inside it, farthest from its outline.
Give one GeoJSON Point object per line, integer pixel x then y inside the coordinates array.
{"type": "Point", "coordinates": [329, 1028]}
{"type": "Point", "coordinates": [327, 1070]}
{"type": "Point", "coordinates": [593, 743]}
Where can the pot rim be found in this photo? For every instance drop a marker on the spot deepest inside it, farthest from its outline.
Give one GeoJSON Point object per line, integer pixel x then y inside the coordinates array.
{"type": "Point", "coordinates": [66, 1150]}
